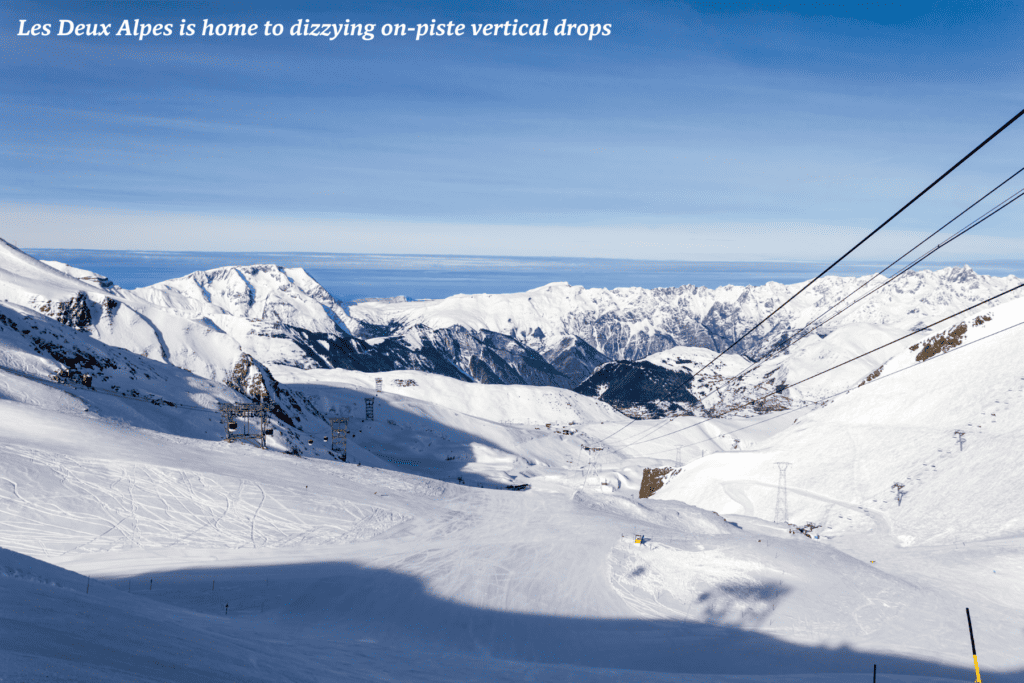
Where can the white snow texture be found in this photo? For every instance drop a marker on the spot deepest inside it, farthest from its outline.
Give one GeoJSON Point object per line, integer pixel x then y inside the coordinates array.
{"type": "Point", "coordinates": [470, 535]}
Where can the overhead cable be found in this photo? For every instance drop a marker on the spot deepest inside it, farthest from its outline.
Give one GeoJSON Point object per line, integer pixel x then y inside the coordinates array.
{"type": "Point", "coordinates": [838, 365]}
{"type": "Point", "coordinates": [866, 238]}
{"type": "Point", "coordinates": [817, 322]}
{"type": "Point", "coordinates": [790, 411]}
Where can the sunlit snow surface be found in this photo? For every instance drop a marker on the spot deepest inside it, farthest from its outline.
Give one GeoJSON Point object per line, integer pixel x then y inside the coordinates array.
{"type": "Point", "coordinates": [212, 561]}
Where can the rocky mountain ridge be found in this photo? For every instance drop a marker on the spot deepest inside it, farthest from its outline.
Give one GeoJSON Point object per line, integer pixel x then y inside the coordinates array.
{"type": "Point", "coordinates": [633, 323]}
{"type": "Point", "coordinates": [559, 335]}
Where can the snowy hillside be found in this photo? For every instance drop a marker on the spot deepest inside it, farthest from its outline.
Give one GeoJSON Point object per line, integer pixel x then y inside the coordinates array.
{"type": "Point", "coordinates": [881, 473]}
{"type": "Point", "coordinates": [485, 530]}
{"type": "Point", "coordinates": [117, 317]}
{"type": "Point", "coordinates": [385, 573]}
{"type": "Point", "coordinates": [643, 389]}
{"type": "Point", "coordinates": [899, 425]}
{"type": "Point", "coordinates": [734, 384]}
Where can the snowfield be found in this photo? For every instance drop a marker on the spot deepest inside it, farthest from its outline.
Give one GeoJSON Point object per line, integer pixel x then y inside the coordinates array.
{"type": "Point", "coordinates": [471, 535]}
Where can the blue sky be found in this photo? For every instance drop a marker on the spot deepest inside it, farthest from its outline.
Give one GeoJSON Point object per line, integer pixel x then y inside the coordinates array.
{"type": "Point", "coordinates": [704, 130]}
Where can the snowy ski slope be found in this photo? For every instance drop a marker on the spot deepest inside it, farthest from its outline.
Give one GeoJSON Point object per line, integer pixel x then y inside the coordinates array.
{"type": "Point", "coordinates": [135, 545]}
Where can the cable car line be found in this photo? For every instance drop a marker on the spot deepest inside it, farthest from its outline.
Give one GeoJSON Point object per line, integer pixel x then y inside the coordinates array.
{"type": "Point", "coordinates": [839, 365]}
{"type": "Point", "coordinates": [817, 322]}
{"type": "Point", "coordinates": [790, 411]}
{"type": "Point", "coordinates": [866, 238]}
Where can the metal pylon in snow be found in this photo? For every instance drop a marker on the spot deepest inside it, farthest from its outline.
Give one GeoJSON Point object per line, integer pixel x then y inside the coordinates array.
{"type": "Point", "coordinates": [248, 422]}
{"type": "Point", "coordinates": [781, 502]}
{"type": "Point", "coordinates": [591, 468]}
{"type": "Point", "coordinates": [339, 436]}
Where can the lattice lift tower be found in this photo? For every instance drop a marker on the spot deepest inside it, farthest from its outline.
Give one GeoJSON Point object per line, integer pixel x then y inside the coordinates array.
{"type": "Point", "coordinates": [248, 422]}
{"type": "Point", "coordinates": [592, 465]}
{"type": "Point", "coordinates": [339, 437]}
{"type": "Point", "coordinates": [781, 501]}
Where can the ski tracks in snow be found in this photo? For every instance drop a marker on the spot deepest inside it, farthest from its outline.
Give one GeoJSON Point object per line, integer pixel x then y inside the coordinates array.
{"type": "Point", "coordinates": [256, 514]}
{"type": "Point", "coordinates": [662, 582]}
{"type": "Point", "coordinates": [67, 505]}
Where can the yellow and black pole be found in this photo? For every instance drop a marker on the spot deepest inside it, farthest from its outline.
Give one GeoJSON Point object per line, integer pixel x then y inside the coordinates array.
{"type": "Point", "coordinates": [974, 651]}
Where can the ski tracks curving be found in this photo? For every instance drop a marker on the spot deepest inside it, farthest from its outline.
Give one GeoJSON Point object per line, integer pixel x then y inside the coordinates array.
{"type": "Point", "coordinates": [80, 506]}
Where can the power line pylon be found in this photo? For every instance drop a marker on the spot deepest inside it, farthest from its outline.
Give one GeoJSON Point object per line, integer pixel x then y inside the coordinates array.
{"type": "Point", "coordinates": [379, 383]}
{"type": "Point", "coordinates": [247, 422]}
{"type": "Point", "coordinates": [339, 437]}
{"type": "Point", "coordinates": [781, 501]}
{"type": "Point", "coordinates": [369, 408]}
{"type": "Point", "coordinates": [592, 465]}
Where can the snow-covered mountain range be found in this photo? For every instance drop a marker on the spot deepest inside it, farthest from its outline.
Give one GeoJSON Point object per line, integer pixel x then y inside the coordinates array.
{"type": "Point", "coordinates": [558, 335]}
{"type": "Point", "coordinates": [471, 534]}
{"type": "Point", "coordinates": [633, 323]}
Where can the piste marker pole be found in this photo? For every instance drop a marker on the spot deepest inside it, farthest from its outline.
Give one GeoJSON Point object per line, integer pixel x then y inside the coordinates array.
{"type": "Point", "coordinates": [974, 651]}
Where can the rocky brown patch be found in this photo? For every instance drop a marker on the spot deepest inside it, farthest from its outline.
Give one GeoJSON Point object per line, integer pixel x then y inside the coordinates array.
{"type": "Point", "coordinates": [654, 478]}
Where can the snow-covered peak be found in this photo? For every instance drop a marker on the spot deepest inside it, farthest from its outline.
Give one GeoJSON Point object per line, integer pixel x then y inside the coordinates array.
{"type": "Point", "coordinates": [259, 292]}
{"type": "Point", "coordinates": [202, 323]}
{"type": "Point", "coordinates": [962, 273]}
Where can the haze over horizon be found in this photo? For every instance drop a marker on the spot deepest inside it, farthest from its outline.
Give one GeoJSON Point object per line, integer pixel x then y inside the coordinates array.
{"type": "Point", "coordinates": [349, 277]}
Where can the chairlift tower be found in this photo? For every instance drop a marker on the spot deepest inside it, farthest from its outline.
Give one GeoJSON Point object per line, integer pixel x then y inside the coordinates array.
{"type": "Point", "coordinates": [339, 437]}
{"type": "Point", "coordinates": [369, 408]}
{"type": "Point", "coordinates": [247, 422]}
{"type": "Point", "coordinates": [591, 468]}
{"type": "Point", "coordinates": [781, 502]}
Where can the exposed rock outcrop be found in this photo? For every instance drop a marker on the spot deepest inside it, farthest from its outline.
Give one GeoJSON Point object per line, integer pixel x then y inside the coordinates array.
{"type": "Point", "coordinates": [73, 312]}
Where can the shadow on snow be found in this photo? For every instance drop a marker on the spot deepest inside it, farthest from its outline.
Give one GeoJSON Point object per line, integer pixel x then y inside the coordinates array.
{"type": "Point", "coordinates": [338, 604]}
